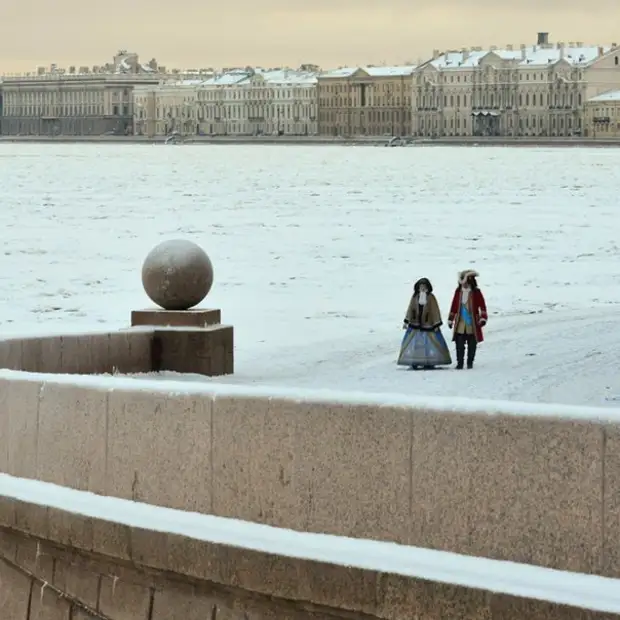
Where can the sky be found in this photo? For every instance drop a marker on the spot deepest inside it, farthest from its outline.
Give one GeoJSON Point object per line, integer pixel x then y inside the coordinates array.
{"type": "Point", "coordinates": [269, 33]}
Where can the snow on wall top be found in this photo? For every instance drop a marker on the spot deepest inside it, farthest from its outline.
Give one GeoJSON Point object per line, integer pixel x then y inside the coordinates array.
{"type": "Point", "coordinates": [613, 95]}
{"type": "Point", "coordinates": [429, 404]}
{"type": "Point", "coordinates": [522, 580]}
{"type": "Point", "coordinates": [532, 56]}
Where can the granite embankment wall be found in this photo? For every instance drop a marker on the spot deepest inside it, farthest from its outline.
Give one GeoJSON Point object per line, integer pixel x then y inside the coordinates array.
{"type": "Point", "coordinates": [535, 488]}
{"type": "Point", "coordinates": [532, 484]}
{"type": "Point", "coordinates": [325, 141]}
{"type": "Point", "coordinates": [58, 565]}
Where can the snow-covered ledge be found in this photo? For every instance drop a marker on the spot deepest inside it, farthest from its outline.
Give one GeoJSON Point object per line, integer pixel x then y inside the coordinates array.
{"type": "Point", "coordinates": [499, 578]}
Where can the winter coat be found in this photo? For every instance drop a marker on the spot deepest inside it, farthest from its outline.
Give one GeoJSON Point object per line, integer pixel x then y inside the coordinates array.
{"type": "Point", "coordinates": [426, 317]}
{"type": "Point", "coordinates": [477, 308]}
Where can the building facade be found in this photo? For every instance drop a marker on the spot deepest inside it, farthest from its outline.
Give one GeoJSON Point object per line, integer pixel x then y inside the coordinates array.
{"type": "Point", "coordinates": [373, 101]}
{"type": "Point", "coordinates": [84, 102]}
{"type": "Point", "coordinates": [602, 116]}
{"type": "Point", "coordinates": [166, 108]}
{"type": "Point", "coordinates": [538, 90]}
{"type": "Point", "coordinates": [253, 102]}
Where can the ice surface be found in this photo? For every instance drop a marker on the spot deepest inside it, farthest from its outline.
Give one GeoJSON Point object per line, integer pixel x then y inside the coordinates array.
{"type": "Point", "coordinates": [315, 251]}
{"type": "Point", "coordinates": [588, 591]}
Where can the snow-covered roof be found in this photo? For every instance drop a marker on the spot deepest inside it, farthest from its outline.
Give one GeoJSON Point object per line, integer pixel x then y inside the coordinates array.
{"type": "Point", "coordinates": [227, 79]}
{"type": "Point", "coordinates": [397, 71]}
{"type": "Point", "coordinates": [611, 96]}
{"type": "Point", "coordinates": [372, 70]}
{"type": "Point", "coordinates": [342, 72]}
{"type": "Point", "coordinates": [532, 56]}
{"type": "Point", "coordinates": [286, 76]}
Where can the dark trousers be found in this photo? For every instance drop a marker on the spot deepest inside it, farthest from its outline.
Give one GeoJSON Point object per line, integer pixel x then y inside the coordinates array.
{"type": "Point", "coordinates": [462, 340]}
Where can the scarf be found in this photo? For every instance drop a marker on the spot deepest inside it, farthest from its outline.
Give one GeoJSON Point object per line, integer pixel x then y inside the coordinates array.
{"type": "Point", "coordinates": [465, 295]}
{"type": "Point", "coordinates": [422, 298]}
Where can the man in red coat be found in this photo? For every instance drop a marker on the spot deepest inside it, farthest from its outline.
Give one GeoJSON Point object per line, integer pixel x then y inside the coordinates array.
{"type": "Point", "coordinates": [468, 315]}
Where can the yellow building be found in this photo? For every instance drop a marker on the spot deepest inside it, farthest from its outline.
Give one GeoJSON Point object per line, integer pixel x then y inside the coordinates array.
{"type": "Point", "coordinates": [602, 116]}
{"type": "Point", "coordinates": [537, 90]}
{"type": "Point", "coordinates": [166, 108]}
{"type": "Point", "coordinates": [370, 101]}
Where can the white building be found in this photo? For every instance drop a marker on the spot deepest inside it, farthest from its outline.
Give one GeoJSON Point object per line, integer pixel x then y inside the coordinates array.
{"type": "Point", "coordinates": [259, 102]}
{"type": "Point", "coordinates": [536, 90]}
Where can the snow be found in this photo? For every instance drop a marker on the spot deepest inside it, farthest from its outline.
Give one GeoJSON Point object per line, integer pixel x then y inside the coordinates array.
{"type": "Point", "coordinates": [532, 55]}
{"type": "Point", "coordinates": [372, 70]}
{"type": "Point", "coordinates": [172, 383]}
{"type": "Point", "coordinates": [521, 580]}
{"type": "Point", "coordinates": [613, 95]}
{"type": "Point", "coordinates": [315, 251]}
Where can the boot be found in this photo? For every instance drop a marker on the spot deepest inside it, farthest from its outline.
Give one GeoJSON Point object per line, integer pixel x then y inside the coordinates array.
{"type": "Point", "coordinates": [472, 344]}
{"type": "Point", "coordinates": [460, 350]}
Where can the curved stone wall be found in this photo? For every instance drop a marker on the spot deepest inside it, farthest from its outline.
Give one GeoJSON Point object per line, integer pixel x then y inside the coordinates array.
{"type": "Point", "coordinates": [540, 487]}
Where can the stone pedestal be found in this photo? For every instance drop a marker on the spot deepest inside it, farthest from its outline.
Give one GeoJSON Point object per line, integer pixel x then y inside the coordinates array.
{"type": "Point", "coordinates": [188, 341]}
{"type": "Point", "coordinates": [208, 351]}
{"type": "Point", "coordinates": [176, 318]}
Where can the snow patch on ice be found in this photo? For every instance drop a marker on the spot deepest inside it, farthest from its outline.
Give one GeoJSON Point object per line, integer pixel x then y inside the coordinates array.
{"type": "Point", "coordinates": [567, 588]}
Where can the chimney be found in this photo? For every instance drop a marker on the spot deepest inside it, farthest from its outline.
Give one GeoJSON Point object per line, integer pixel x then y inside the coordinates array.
{"type": "Point", "coordinates": [601, 51]}
{"type": "Point", "coordinates": [435, 54]}
{"type": "Point", "coordinates": [523, 51]}
{"type": "Point", "coordinates": [509, 47]}
{"type": "Point", "coordinates": [543, 38]}
{"type": "Point", "coordinates": [562, 50]}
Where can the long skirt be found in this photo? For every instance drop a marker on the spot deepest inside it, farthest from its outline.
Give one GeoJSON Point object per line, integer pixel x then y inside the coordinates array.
{"type": "Point", "coordinates": [421, 348]}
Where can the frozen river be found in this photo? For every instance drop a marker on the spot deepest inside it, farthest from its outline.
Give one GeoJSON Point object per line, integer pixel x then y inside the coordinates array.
{"type": "Point", "coordinates": [316, 249]}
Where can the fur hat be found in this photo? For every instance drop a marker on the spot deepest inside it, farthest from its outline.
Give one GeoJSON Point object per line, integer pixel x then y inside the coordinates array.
{"type": "Point", "coordinates": [467, 273]}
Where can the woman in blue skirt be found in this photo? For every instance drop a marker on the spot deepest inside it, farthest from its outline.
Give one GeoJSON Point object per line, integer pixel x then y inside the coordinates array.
{"type": "Point", "coordinates": [423, 344]}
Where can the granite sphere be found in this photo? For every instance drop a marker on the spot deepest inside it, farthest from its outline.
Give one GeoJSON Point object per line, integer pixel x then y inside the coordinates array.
{"type": "Point", "coordinates": [177, 274]}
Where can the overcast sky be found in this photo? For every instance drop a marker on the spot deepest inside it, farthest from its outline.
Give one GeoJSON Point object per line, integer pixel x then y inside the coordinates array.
{"type": "Point", "coordinates": [195, 33]}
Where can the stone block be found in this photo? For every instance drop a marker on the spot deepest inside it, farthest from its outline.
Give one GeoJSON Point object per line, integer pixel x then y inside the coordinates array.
{"type": "Point", "coordinates": [14, 593]}
{"type": "Point", "coordinates": [70, 529]}
{"type": "Point", "coordinates": [403, 598]}
{"type": "Point", "coordinates": [317, 467]}
{"type": "Point", "coordinates": [11, 354]}
{"type": "Point", "coordinates": [46, 604]}
{"type": "Point", "coordinates": [112, 539]}
{"type": "Point", "coordinates": [34, 556]}
{"type": "Point", "coordinates": [508, 487]}
{"type": "Point", "coordinates": [121, 600]}
{"type": "Point", "coordinates": [504, 607]}
{"type": "Point", "coordinates": [175, 428]}
{"type": "Point", "coordinates": [77, 582]}
{"type": "Point", "coordinates": [208, 351]}
{"type": "Point", "coordinates": [7, 511]}
{"type": "Point", "coordinates": [72, 437]}
{"type": "Point", "coordinates": [200, 559]}
{"type": "Point", "coordinates": [32, 519]}
{"type": "Point", "coordinates": [51, 355]}
{"type": "Point", "coordinates": [32, 355]}
{"type": "Point", "coordinates": [195, 317]}
{"type": "Point", "coordinates": [130, 351]}
{"type": "Point", "coordinates": [611, 502]}
{"type": "Point", "coordinates": [20, 404]}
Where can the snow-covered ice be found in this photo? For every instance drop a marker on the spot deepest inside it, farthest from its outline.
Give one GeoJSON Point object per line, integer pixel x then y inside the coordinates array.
{"type": "Point", "coordinates": [566, 588]}
{"type": "Point", "coordinates": [315, 251]}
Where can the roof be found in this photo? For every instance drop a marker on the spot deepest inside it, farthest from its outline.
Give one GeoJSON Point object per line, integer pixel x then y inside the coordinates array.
{"type": "Point", "coordinates": [371, 70]}
{"type": "Point", "coordinates": [612, 95]}
{"type": "Point", "coordinates": [270, 76]}
{"type": "Point", "coordinates": [532, 56]}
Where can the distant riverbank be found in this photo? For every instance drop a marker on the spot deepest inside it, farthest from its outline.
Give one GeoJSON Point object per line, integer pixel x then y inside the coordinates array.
{"type": "Point", "coordinates": [321, 141]}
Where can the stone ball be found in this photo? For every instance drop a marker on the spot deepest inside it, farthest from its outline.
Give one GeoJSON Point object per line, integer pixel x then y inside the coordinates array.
{"type": "Point", "coordinates": [177, 274]}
